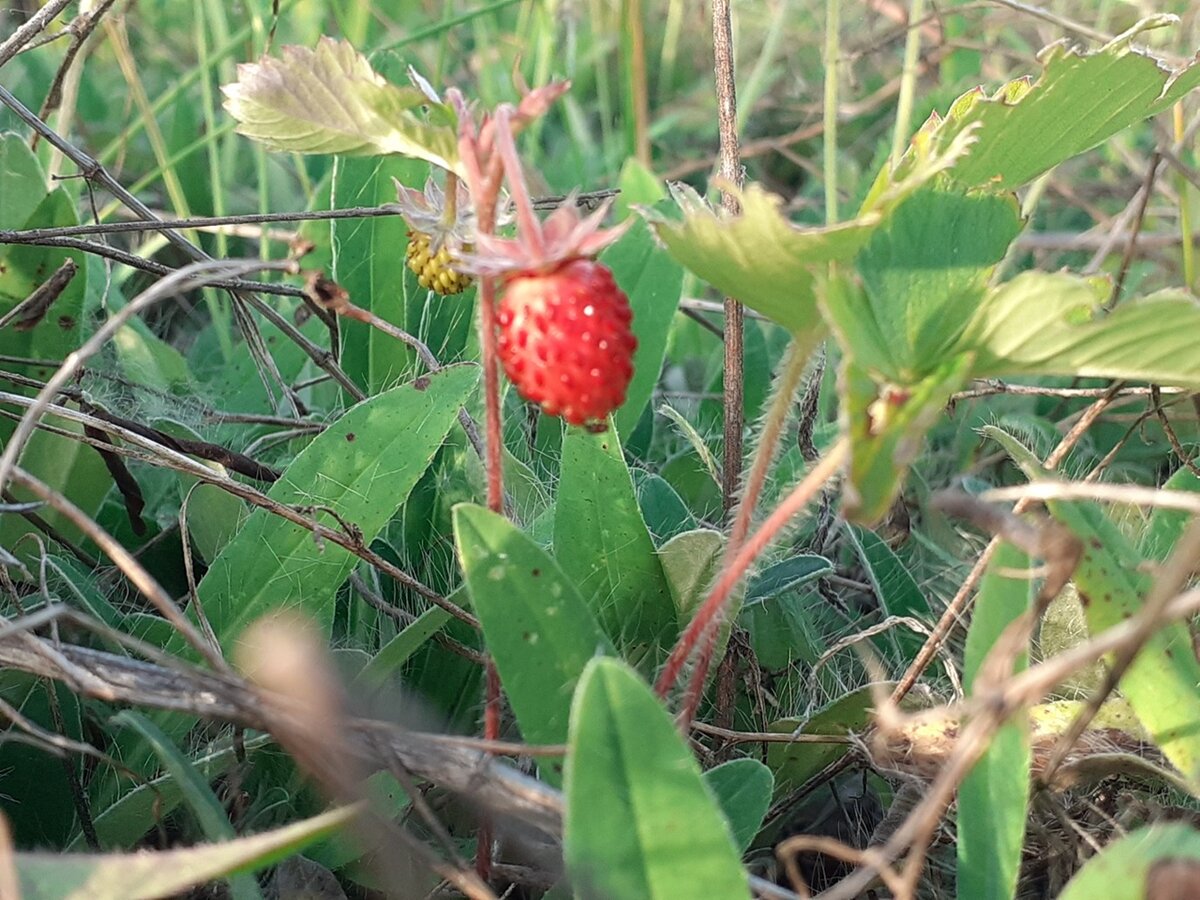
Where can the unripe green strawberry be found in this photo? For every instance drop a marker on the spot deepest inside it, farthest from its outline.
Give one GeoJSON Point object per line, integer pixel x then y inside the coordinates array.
{"type": "Point", "coordinates": [565, 340]}
{"type": "Point", "coordinates": [435, 271]}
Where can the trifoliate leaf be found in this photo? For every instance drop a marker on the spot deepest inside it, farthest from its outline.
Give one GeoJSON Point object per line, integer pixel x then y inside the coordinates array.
{"type": "Point", "coordinates": [330, 100]}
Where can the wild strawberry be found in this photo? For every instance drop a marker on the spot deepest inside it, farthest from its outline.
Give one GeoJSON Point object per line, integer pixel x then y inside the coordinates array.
{"type": "Point", "coordinates": [439, 232]}
{"type": "Point", "coordinates": [564, 324]}
{"type": "Point", "coordinates": [565, 340]}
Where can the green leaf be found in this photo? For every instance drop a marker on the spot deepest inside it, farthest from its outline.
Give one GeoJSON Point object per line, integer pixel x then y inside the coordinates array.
{"type": "Point", "coordinates": [145, 876]}
{"type": "Point", "coordinates": [993, 797]}
{"type": "Point", "coordinates": [894, 585]}
{"type": "Point", "coordinates": [923, 273]}
{"type": "Point", "coordinates": [640, 824]}
{"type": "Point", "coordinates": [209, 813]}
{"type": "Point", "coordinates": [330, 100]}
{"type": "Point", "coordinates": [886, 425]}
{"type": "Point", "coordinates": [537, 627]}
{"type": "Point", "coordinates": [214, 516]}
{"type": "Point", "coordinates": [369, 262]}
{"type": "Point", "coordinates": [794, 764]}
{"type": "Point", "coordinates": [1160, 683]}
{"type": "Point", "coordinates": [362, 467]}
{"type": "Point", "coordinates": [22, 181]}
{"type": "Point", "coordinates": [664, 511]}
{"type": "Point", "coordinates": [1126, 868]}
{"type": "Point", "coordinates": [37, 791]}
{"type": "Point", "coordinates": [782, 629]}
{"type": "Point", "coordinates": [602, 543]}
{"type": "Point", "coordinates": [639, 186]}
{"type": "Point", "coordinates": [1052, 324]}
{"type": "Point", "coordinates": [1167, 525]}
{"type": "Point", "coordinates": [794, 572]}
{"type": "Point", "coordinates": [398, 650]}
{"type": "Point", "coordinates": [743, 788]}
{"type": "Point", "coordinates": [1079, 101]}
{"type": "Point", "coordinates": [68, 466]}
{"type": "Point", "coordinates": [653, 281]}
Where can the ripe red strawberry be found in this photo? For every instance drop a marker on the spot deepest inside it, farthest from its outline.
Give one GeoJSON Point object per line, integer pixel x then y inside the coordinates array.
{"type": "Point", "coordinates": [565, 340]}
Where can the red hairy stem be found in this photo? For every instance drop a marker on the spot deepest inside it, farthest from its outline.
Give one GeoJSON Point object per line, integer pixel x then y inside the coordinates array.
{"type": "Point", "coordinates": [695, 689]}
{"type": "Point", "coordinates": [709, 614]}
{"type": "Point", "coordinates": [491, 389]}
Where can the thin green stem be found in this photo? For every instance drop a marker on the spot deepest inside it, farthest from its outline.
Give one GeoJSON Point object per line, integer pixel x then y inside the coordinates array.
{"type": "Point", "coordinates": [908, 80]}
{"type": "Point", "coordinates": [1185, 211]}
{"type": "Point", "coordinates": [833, 52]}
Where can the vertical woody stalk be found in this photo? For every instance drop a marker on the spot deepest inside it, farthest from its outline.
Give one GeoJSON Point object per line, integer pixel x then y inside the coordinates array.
{"type": "Point", "coordinates": [485, 188]}
{"type": "Point", "coordinates": [730, 171]}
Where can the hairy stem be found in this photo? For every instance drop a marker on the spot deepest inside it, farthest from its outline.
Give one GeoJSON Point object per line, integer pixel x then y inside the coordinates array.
{"type": "Point", "coordinates": [708, 617]}
{"type": "Point", "coordinates": [768, 442]}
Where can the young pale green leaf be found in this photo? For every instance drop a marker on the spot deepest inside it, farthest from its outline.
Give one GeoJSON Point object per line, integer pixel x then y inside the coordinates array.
{"type": "Point", "coordinates": [1052, 324]}
{"type": "Point", "coordinates": [362, 467]}
{"type": "Point", "coordinates": [763, 260]}
{"type": "Point", "coordinates": [759, 257]}
{"type": "Point", "coordinates": [1079, 101]}
{"type": "Point", "coordinates": [690, 562]}
{"type": "Point", "coordinates": [537, 627]}
{"type": "Point", "coordinates": [886, 425]}
{"type": "Point", "coordinates": [743, 788]}
{"type": "Point", "coordinates": [993, 797]}
{"type": "Point", "coordinates": [602, 543]}
{"type": "Point", "coordinates": [1160, 683]}
{"type": "Point", "coordinates": [925, 269]}
{"type": "Point", "coordinates": [640, 822]}
{"type": "Point", "coordinates": [1151, 863]}
{"type": "Point", "coordinates": [330, 100]}
{"type": "Point", "coordinates": [145, 876]}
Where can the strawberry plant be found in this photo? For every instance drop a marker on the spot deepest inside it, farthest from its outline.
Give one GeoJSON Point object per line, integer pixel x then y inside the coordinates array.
{"type": "Point", "coordinates": [399, 537]}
